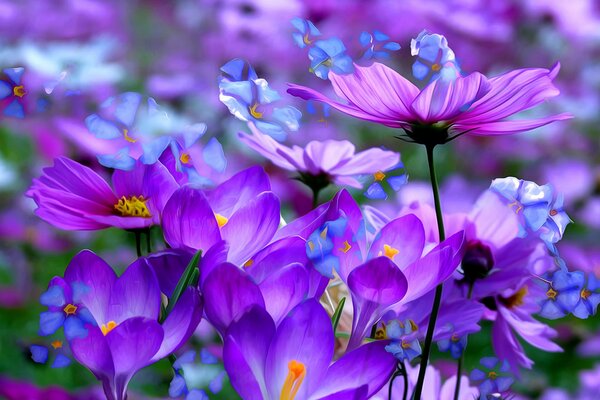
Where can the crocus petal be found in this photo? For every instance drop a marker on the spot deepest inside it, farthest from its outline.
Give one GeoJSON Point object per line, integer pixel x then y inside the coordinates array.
{"type": "Point", "coordinates": [132, 345]}
{"type": "Point", "coordinates": [238, 190]}
{"type": "Point", "coordinates": [444, 99]}
{"type": "Point", "coordinates": [306, 336]}
{"type": "Point", "coordinates": [181, 323]}
{"type": "Point", "coordinates": [93, 352]}
{"type": "Point", "coordinates": [168, 266]}
{"type": "Point", "coordinates": [369, 365]}
{"type": "Point", "coordinates": [406, 235]}
{"type": "Point", "coordinates": [229, 293]}
{"type": "Point", "coordinates": [251, 227]}
{"type": "Point", "coordinates": [134, 294]}
{"type": "Point", "coordinates": [284, 289]}
{"type": "Point", "coordinates": [188, 220]}
{"type": "Point", "coordinates": [93, 272]}
{"type": "Point", "coordinates": [374, 286]}
{"type": "Point", "coordinates": [245, 351]}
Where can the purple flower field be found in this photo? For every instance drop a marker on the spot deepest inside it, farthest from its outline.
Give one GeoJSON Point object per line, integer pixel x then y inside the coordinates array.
{"type": "Point", "coordinates": [299, 200]}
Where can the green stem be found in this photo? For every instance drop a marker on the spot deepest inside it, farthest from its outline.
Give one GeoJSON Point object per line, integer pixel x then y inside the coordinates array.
{"type": "Point", "coordinates": [462, 356]}
{"type": "Point", "coordinates": [438, 290]}
{"type": "Point", "coordinates": [315, 201]}
{"type": "Point", "coordinates": [148, 241]}
{"type": "Point", "coordinates": [138, 242]}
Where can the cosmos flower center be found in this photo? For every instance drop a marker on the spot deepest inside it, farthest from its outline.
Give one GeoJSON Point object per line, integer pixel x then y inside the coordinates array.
{"type": "Point", "coordinates": [109, 326]}
{"type": "Point", "coordinates": [254, 112]}
{"type": "Point", "coordinates": [19, 91]}
{"type": "Point", "coordinates": [70, 309]}
{"type": "Point", "coordinates": [585, 294]}
{"type": "Point", "coordinates": [551, 294]}
{"type": "Point", "coordinates": [293, 380]}
{"type": "Point", "coordinates": [127, 137]}
{"type": "Point", "coordinates": [516, 299]}
{"type": "Point", "coordinates": [134, 206]}
{"type": "Point", "coordinates": [221, 220]}
{"type": "Point", "coordinates": [389, 251]}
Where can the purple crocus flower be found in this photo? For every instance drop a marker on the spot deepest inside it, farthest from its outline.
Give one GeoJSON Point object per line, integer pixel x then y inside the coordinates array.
{"type": "Point", "coordinates": [242, 211]}
{"type": "Point", "coordinates": [293, 360]}
{"type": "Point", "coordinates": [471, 104]}
{"type": "Point", "coordinates": [126, 335]}
{"type": "Point", "coordinates": [334, 159]}
{"type": "Point", "coordinates": [72, 196]}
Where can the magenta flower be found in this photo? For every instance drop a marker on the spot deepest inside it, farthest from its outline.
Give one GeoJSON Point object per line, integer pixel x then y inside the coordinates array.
{"type": "Point", "coordinates": [335, 159]}
{"type": "Point", "coordinates": [293, 360]}
{"type": "Point", "coordinates": [71, 196]}
{"type": "Point", "coordinates": [242, 211]}
{"type": "Point", "coordinates": [470, 104]}
{"type": "Point", "coordinates": [127, 335]}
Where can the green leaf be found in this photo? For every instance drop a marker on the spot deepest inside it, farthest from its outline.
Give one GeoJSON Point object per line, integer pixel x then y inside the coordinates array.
{"type": "Point", "coordinates": [186, 279]}
{"type": "Point", "coordinates": [335, 318]}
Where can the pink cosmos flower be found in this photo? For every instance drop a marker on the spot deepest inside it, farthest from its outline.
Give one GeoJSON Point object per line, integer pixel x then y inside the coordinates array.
{"type": "Point", "coordinates": [470, 104]}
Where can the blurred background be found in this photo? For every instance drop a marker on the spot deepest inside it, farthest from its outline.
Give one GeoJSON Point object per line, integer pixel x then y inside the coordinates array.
{"type": "Point", "coordinates": [77, 53]}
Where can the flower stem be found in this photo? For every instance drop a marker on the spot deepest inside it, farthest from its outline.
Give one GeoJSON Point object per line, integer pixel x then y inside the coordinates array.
{"type": "Point", "coordinates": [462, 356]}
{"type": "Point", "coordinates": [315, 201]}
{"type": "Point", "coordinates": [138, 242]}
{"type": "Point", "coordinates": [438, 290]}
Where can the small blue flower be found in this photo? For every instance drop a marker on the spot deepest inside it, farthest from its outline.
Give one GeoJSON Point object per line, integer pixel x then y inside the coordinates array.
{"type": "Point", "coordinates": [329, 55]}
{"type": "Point", "coordinates": [434, 58]}
{"type": "Point", "coordinates": [64, 309]}
{"type": "Point", "coordinates": [321, 244]}
{"type": "Point", "coordinates": [306, 34]}
{"type": "Point", "coordinates": [377, 45]}
{"type": "Point", "coordinates": [250, 99]}
{"type": "Point", "coordinates": [12, 92]}
{"type": "Point", "coordinates": [405, 343]}
{"type": "Point", "coordinates": [494, 377]}
{"type": "Point", "coordinates": [540, 208]}
{"type": "Point", "coordinates": [589, 298]}
{"type": "Point", "coordinates": [40, 354]}
{"type": "Point", "coordinates": [563, 294]}
{"type": "Point", "coordinates": [188, 376]}
{"type": "Point", "coordinates": [455, 345]}
{"type": "Point", "coordinates": [393, 179]}
{"type": "Point", "coordinates": [318, 109]}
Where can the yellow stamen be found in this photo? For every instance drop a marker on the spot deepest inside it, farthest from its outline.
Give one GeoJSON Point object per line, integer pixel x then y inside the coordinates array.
{"type": "Point", "coordinates": [293, 381]}
{"type": "Point", "coordinates": [311, 245]}
{"type": "Point", "coordinates": [346, 247]}
{"type": "Point", "coordinates": [436, 67]}
{"type": "Point", "coordinates": [248, 263]}
{"type": "Point", "coordinates": [57, 344]}
{"type": "Point", "coordinates": [405, 345]}
{"type": "Point", "coordinates": [390, 252]}
{"type": "Point", "coordinates": [253, 111]}
{"type": "Point", "coordinates": [221, 220]}
{"type": "Point", "coordinates": [413, 325]}
{"type": "Point", "coordinates": [379, 176]}
{"type": "Point", "coordinates": [551, 293]}
{"type": "Point", "coordinates": [454, 338]}
{"type": "Point", "coordinates": [70, 309]}
{"type": "Point", "coordinates": [109, 326]}
{"type": "Point", "coordinates": [133, 206]}
{"type": "Point", "coordinates": [19, 91]}
{"type": "Point", "coordinates": [585, 294]}
{"type": "Point", "coordinates": [517, 205]}
{"type": "Point", "coordinates": [184, 158]}
{"type": "Point", "coordinates": [324, 233]}
{"type": "Point", "coordinates": [306, 40]}
{"type": "Point", "coordinates": [553, 213]}
{"type": "Point", "coordinates": [492, 375]}
{"type": "Point", "coordinates": [127, 137]}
